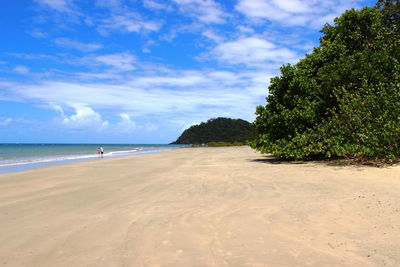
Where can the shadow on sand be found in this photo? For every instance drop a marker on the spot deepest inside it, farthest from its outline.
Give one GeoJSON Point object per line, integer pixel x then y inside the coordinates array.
{"type": "Point", "coordinates": [275, 160]}
{"type": "Point", "coordinates": [270, 159]}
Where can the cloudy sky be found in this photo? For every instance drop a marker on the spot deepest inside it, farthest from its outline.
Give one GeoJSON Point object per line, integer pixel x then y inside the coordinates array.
{"type": "Point", "coordinates": [141, 71]}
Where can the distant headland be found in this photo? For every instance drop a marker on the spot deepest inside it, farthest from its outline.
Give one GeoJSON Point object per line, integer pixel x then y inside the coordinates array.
{"type": "Point", "coordinates": [218, 131]}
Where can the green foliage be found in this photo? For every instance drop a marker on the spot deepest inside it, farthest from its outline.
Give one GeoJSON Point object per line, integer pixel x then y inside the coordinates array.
{"type": "Point", "coordinates": [217, 130]}
{"type": "Point", "coordinates": [218, 144]}
{"type": "Point", "coordinates": [344, 98]}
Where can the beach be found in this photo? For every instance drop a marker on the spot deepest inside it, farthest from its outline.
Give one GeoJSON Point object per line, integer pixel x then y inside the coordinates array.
{"type": "Point", "coordinates": [228, 206]}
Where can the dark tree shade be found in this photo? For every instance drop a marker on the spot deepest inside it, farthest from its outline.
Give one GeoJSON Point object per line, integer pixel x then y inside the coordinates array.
{"type": "Point", "coordinates": [217, 130]}
{"type": "Point", "coordinates": [343, 99]}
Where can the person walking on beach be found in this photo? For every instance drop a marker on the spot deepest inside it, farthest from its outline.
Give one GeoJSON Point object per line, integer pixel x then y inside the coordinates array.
{"type": "Point", "coordinates": [98, 152]}
{"type": "Point", "coordinates": [102, 152]}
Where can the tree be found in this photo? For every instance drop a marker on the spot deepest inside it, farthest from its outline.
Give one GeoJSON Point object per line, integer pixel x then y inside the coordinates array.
{"type": "Point", "coordinates": [344, 97]}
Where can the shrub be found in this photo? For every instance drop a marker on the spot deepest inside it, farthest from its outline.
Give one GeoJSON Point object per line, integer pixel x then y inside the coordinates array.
{"type": "Point", "coordinates": [344, 97]}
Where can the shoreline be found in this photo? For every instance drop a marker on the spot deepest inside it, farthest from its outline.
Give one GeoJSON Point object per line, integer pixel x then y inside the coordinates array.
{"type": "Point", "coordinates": [50, 160]}
{"type": "Point", "coordinates": [200, 207]}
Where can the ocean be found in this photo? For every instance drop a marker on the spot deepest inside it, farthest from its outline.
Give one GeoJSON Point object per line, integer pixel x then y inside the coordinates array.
{"type": "Point", "coordinates": [19, 157]}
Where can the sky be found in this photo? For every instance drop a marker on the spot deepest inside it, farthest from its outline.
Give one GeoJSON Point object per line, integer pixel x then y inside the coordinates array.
{"type": "Point", "coordinates": [142, 71]}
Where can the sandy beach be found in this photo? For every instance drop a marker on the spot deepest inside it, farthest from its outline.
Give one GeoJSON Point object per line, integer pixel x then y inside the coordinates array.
{"type": "Point", "coordinates": [200, 207]}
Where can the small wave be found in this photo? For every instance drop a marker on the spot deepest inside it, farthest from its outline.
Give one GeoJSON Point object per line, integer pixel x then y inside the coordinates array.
{"type": "Point", "coordinates": [44, 160]}
{"type": "Point", "coordinates": [122, 152]}
{"type": "Point", "coordinates": [63, 158]}
{"type": "Point", "coordinates": [18, 161]}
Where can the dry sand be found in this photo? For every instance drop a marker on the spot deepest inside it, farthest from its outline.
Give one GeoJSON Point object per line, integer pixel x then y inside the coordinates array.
{"type": "Point", "coordinates": [200, 207]}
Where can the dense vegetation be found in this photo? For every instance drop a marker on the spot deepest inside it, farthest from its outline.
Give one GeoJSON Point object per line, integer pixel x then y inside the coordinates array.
{"type": "Point", "coordinates": [218, 130]}
{"type": "Point", "coordinates": [343, 99]}
{"type": "Point", "coordinates": [216, 144]}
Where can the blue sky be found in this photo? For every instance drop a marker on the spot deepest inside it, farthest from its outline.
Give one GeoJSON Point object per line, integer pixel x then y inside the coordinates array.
{"type": "Point", "coordinates": [142, 71]}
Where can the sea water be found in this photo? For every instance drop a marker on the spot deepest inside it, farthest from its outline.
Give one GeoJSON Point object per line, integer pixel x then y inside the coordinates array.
{"type": "Point", "coordinates": [18, 157]}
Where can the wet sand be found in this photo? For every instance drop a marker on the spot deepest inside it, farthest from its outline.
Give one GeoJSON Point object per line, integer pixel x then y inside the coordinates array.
{"type": "Point", "coordinates": [200, 207]}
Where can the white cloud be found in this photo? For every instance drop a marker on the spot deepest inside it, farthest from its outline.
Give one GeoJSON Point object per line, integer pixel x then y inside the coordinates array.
{"type": "Point", "coordinates": [194, 95]}
{"type": "Point", "coordinates": [38, 34]}
{"type": "Point", "coordinates": [33, 56]}
{"type": "Point", "coordinates": [295, 12]}
{"type": "Point", "coordinates": [150, 127]}
{"type": "Point", "coordinates": [5, 122]}
{"type": "Point", "coordinates": [156, 5]}
{"type": "Point", "coordinates": [21, 70]}
{"type": "Point", "coordinates": [210, 34]}
{"type": "Point", "coordinates": [59, 5]}
{"type": "Point", "coordinates": [84, 47]}
{"type": "Point", "coordinates": [113, 4]}
{"type": "Point", "coordinates": [294, 6]}
{"type": "Point", "coordinates": [126, 124]}
{"type": "Point", "coordinates": [118, 61]}
{"type": "Point", "coordinates": [252, 51]}
{"type": "Point", "coordinates": [98, 75]}
{"type": "Point", "coordinates": [128, 22]}
{"type": "Point", "coordinates": [84, 118]}
{"type": "Point", "coordinates": [245, 29]}
{"type": "Point", "coordinates": [206, 11]}
{"type": "Point", "coordinates": [184, 79]}
{"type": "Point", "coordinates": [57, 108]}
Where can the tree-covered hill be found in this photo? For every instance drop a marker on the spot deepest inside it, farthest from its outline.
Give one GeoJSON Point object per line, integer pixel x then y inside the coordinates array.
{"type": "Point", "coordinates": [217, 130]}
{"type": "Point", "coordinates": [343, 99]}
